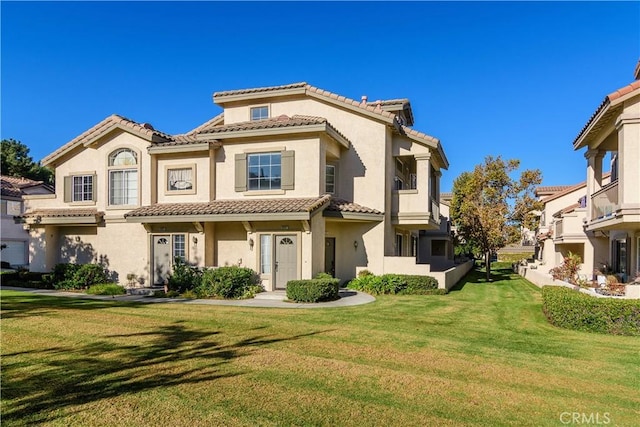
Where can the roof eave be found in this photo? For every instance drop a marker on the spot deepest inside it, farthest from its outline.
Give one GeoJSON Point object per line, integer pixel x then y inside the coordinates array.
{"type": "Point", "coordinates": [276, 216]}
{"type": "Point", "coordinates": [321, 127]}
{"type": "Point", "coordinates": [224, 99]}
{"type": "Point", "coordinates": [182, 148]}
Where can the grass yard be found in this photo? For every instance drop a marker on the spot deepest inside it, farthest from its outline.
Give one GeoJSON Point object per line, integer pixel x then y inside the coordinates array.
{"type": "Point", "coordinates": [480, 356]}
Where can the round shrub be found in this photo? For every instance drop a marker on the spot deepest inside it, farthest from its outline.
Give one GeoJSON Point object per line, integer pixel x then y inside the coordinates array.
{"type": "Point", "coordinates": [228, 282]}
{"type": "Point", "coordinates": [313, 290]}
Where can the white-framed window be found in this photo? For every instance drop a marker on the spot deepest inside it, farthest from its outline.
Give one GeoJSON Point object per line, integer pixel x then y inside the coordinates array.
{"type": "Point", "coordinates": [330, 179]}
{"type": "Point", "coordinates": [265, 254]}
{"type": "Point", "coordinates": [123, 177]}
{"type": "Point", "coordinates": [264, 171]}
{"type": "Point", "coordinates": [179, 246]}
{"type": "Point", "coordinates": [181, 179]}
{"type": "Point", "coordinates": [82, 188]}
{"type": "Point", "coordinates": [259, 113]}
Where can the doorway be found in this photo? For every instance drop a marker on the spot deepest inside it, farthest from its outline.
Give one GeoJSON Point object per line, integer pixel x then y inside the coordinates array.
{"type": "Point", "coordinates": [330, 256]}
{"type": "Point", "coordinates": [286, 260]}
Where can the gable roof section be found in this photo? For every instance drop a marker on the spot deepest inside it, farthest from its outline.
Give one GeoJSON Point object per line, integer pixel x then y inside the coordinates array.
{"type": "Point", "coordinates": [570, 189]}
{"type": "Point", "coordinates": [303, 88]}
{"type": "Point", "coordinates": [276, 125]}
{"type": "Point", "coordinates": [111, 123]}
{"type": "Point", "coordinates": [13, 186]}
{"type": "Point", "coordinates": [427, 140]}
{"type": "Point", "coordinates": [608, 110]}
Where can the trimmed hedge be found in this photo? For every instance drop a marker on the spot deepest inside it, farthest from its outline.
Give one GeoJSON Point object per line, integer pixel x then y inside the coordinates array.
{"type": "Point", "coordinates": [228, 282]}
{"type": "Point", "coordinates": [313, 290]}
{"type": "Point", "coordinates": [402, 284]}
{"type": "Point", "coordinates": [567, 308]}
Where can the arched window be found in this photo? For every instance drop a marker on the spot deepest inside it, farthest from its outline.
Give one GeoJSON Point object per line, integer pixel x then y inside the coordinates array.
{"type": "Point", "coordinates": [123, 177]}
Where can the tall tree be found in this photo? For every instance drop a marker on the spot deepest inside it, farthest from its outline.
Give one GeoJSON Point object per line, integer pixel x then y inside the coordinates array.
{"type": "Point", "coordinates": [15, 161]}
{"type": "Point", "coordinates": [489, 208]}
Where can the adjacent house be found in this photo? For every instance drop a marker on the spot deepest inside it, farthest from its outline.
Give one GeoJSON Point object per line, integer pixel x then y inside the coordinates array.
{"type": "Point", "coordinates": [612, 209]}
{"type": "Point", "coordinates": [561, 229]}
{"type": "Point", "coordinates": [288, 180]}
{"type": "Point", "coordinates": [15, 240]}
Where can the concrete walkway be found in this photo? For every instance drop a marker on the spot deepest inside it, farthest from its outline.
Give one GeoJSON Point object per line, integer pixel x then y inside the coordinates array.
{"type": "Point", "coordinates": [276, 299]}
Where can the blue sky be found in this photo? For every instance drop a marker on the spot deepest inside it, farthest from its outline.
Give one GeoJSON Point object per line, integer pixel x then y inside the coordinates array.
{"type": "Point", "coordinates": [517, 79]}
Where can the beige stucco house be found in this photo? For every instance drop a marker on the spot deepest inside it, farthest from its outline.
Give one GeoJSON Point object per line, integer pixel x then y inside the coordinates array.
{"type": "Point", "coordinates": [15, 240]}
{"type": "Point", "coordinates": [613, 208]}
{"type": "Point", "coordinates": [288, 180]}
{"type": "Point", "coordinates": [561, 229]}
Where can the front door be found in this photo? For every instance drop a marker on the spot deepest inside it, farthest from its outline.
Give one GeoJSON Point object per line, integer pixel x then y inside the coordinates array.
{"type": "Point", "coordinates": [330, 256]}
{"type": "Point", "coordinates": [286, 263]}
{"type": "Point", "coordinates": [161, 258]}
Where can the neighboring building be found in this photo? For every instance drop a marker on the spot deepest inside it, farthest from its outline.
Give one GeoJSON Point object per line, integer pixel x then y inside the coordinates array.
{"type": "Point", "coordinates": [289, 180]}
{"type": "Point", "coordinates": [613, 209]}
{"type": "Point", "coordinates": [561, 228]}
{"type": "Point", "coordinates": [15, 240]}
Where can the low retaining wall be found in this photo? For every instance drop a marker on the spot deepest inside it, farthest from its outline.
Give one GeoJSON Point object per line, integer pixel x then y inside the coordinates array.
{"type": "Point", "coordinates": [449, 278]}
{"type": "Point", "coordinates": [541, 279]}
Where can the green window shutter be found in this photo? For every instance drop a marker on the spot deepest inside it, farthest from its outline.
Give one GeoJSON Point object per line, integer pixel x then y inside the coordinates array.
{"type": "Point", "coordinates": [94, 181]}
{"type": "Point", "coordinates": [241, 172]}
{"type": "Point", "coordinates": [68, 185]}
{"type": "Point", "coordinates": [288, 170]}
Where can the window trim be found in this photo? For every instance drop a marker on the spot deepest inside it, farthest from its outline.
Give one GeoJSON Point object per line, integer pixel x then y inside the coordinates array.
{"type": "Point", "coordinates": [270, 178]}
{"type": "Point", "coordinates": [185, 248]}
{"type": "Point", "coordinates": [257, 107]}
{"type": "Point", "coordinates": [119, 168]}
{"type": "Point", "coordinates": [194, 179]}
{"type": "Point", "coordinates": [69, 193]}
{"type": "Point", "coordinates": [326, 190]}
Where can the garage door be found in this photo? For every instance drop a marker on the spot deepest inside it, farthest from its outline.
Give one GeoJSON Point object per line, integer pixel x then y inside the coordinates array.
{"type": "Point", "coordinates": [14, 253]}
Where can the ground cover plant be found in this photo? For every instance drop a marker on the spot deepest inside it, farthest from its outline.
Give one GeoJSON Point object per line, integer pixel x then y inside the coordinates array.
{"type": "Point", "coordinates": [484, 355]}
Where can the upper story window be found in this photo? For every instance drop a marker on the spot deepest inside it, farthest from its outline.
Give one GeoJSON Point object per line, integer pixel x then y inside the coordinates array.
{"type": "Point", "coordinates": [330, 179]}
{"type": "Point", "coordinates": [259, 113]}
{"type": "Point", "coordinates": [123, 177]}
{"type": "Point", "coordinates": [82, 188]}
{"type": "Point", "coordinates": [264, 171]}
{"type": "Point", "coordinates": [181, 179]}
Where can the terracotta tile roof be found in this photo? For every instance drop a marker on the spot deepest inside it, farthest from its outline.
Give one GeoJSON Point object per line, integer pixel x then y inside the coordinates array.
{"type": "Point", "coordinates": [63, 213]}
{"type": "Point", "coordinates": [232, 207]}
{"type": "Point", "coordinates": [388, 102]}
{"type": "Point", "coordinates": [144, 130]}
{"type": "Point", "coordinates": [550, 189]}
{"type": "Point", "coordinates": [341, 205]}
{"type": "Point", "coordinates": [282, 121]}
{"type": "Point", "coordinates": [569, 189]}
{"type": "Point", "coordinates": [313, 91]}
{"type": "Point", "coordinates": [251, 206]}
{"type": "Point", "coordinates": [11, 186]}
{"type": "Point", "coordinates": [604, 105]}
{"type": "Point", "coordinates": [215, 121]}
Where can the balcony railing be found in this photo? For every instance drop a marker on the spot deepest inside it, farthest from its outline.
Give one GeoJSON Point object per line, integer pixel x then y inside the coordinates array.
{"type": "Point", "coordinates": [558, 232]}
{"type": "Point", "coordinates": [604, 203]}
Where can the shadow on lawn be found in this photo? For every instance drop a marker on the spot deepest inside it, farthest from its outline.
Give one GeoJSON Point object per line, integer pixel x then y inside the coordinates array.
{"type": "Point", "coordinates": [26, 304]}
{"type": "Point", "coordinates": [478, 276]}
{"type": "Point", "coordinates": [66, 376]}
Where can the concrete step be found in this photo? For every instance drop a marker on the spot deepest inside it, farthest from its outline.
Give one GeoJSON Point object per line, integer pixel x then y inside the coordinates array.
{"type": "Point", "coordinates": [143, 291]}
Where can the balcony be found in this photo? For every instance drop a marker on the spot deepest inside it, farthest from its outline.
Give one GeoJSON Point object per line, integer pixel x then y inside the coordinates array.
{"type": "Point", "coordinates": [570, 228]}
{"type": "Point", "coordinates": [604, 203]}
{"type": "Point", "coordinates": [411, 210]}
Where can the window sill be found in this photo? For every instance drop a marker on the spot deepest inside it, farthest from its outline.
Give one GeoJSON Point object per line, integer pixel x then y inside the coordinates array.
{"type": "Point", "coordinates": [264, 192]}
{"type": "Point", "coordinates": [179, 192]}
{"type": "Point", "coordinates": [121, 207]}
{"type": "Point", "coordinates": [87, 203]}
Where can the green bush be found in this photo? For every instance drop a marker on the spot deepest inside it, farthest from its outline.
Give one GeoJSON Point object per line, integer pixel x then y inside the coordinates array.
{"type": "Point", "coordinates": [106, 289]}
{"type": "Point", "coordinates": [228, 282]}
{"type": "Point", "coordinates": [76, 276]}
{"type": "Point", "coordinates": [313, 290]}
{"type": "Point", "coordinates": [396, 284]}
{"type": "Point", "coordinates": [515, 257]}
{"type": "Point", "coordinates": [567, 308]}
{"type": "Point", "coordinates": [184, 277]}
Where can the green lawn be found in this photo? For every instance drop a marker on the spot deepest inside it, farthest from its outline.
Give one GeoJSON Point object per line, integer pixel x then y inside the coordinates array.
{"type": "Point", "coordinates": [483, 355]}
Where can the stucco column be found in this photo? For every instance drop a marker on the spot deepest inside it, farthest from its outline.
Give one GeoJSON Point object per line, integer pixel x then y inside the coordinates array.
{"type": "Point", "coordinates": [628, 127]}
{"type": "Point", "coordinates": [423, 178]}
{"type": "Point", "coordinates": [594, 175]}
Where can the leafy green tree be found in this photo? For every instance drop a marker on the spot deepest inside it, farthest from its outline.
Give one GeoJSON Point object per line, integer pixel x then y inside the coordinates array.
{"type": "Point", "coordinates": [15, 161]}
{"type": "Point", "coordinates": [489, 207]}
